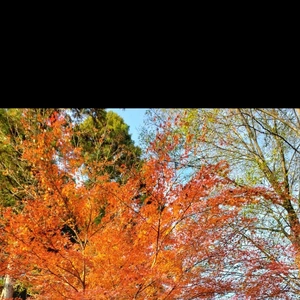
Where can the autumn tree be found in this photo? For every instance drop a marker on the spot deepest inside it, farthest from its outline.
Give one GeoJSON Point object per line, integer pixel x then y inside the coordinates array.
{"type": "Point", "coordinates": [262, 146]}
{"type": "Point", "coordinates": [106, 134]}
{"type": "Point", "coordinates": [158, 235]}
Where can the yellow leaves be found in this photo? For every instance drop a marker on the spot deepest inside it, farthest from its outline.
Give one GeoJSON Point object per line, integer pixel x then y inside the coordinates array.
{"type": "Point", "coordinates": [142, 233]}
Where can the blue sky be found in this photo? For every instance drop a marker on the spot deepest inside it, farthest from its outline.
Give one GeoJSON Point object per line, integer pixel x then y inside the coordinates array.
{"type": "Point", "coordinates": [133, 117]}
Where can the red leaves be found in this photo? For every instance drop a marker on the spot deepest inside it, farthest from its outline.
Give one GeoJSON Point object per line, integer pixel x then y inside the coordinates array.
{"type": "Point", "coordinates": [152, 237]}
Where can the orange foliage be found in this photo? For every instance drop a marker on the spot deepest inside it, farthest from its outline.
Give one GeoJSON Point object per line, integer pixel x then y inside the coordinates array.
{"type": "Point", "coordinates": [149, 238]}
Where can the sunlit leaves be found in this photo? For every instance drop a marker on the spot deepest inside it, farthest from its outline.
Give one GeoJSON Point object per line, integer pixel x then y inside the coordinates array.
{"type": "Point", "coordinates": [79, 234]}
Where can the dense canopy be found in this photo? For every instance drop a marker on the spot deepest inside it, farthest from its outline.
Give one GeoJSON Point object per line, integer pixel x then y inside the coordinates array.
{"type": "Point", "coordinates": [207, 209]}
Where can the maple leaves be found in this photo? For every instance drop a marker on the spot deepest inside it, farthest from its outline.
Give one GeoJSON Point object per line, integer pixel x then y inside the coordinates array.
{"type": "Point", "coordinates": [81, 235]}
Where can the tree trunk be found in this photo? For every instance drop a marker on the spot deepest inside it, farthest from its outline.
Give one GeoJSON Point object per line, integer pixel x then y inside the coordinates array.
{"type": "Point", "coordinates": [7, 292]}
